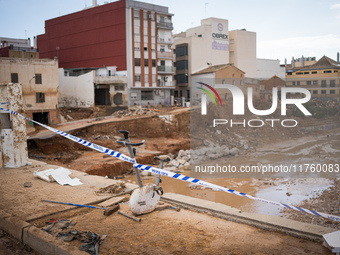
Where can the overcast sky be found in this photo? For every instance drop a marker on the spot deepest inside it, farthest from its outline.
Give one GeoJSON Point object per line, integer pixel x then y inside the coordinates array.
{"type": "Point", "coordinates": [284, 29]}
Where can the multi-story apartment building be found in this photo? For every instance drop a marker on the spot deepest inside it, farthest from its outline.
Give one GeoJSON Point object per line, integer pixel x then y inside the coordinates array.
{"type": "Point", "coordinates": [133, 36]}
{"type": "Point", "coordinates": [199, 48]}
{"type": "Point", "coordinates": [321, 78]}
{"type": "Point", "coordinates": [39, 81]}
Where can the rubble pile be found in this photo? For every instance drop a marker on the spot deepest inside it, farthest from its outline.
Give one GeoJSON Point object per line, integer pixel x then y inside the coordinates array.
{"type": "Point", "coordinates": [112, 189]}
{"type": "Point", "coordinates": [181, 160]}
{"type": "Point", "coordinates": [135, 111]}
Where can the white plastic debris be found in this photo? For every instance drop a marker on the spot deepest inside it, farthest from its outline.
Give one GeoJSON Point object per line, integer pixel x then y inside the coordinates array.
{"type": "Point", "coordinates": [144, 200]}
{"type": "Point", "coordinates": [332, 241]}
{"type": "Point", "coordinates": [60, 175]}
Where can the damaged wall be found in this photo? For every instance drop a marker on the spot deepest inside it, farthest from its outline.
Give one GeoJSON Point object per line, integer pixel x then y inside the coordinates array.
{"type": "Point", "coordinates": [13, 137]}
{"type": "Point", "coordinates": [76, 91]}
{"type": "Point", "coordinates": [39, 80]}
{"type": "Point", "coordinates": [80, 91]}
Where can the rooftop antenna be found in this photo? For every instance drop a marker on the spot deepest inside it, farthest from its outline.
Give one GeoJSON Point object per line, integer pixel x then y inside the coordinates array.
{"type": "Point", "coordinates": [205, 9]}
{"type": "Point", "coordinates": [25, 33]}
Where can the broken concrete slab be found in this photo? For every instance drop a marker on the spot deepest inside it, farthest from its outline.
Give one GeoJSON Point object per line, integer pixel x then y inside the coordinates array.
{"type": "Point", "coordinates": [112, 201]}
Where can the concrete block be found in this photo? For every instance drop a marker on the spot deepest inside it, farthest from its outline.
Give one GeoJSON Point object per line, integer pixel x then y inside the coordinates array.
{"type": "Point", "coordinates": [39, 240]}
{"type": "Point", "coordinates": [46, 244]}
{"type": "Point", "coordinates": [68, 249]}
{"type": "Point", "coordinates": [13, 226]}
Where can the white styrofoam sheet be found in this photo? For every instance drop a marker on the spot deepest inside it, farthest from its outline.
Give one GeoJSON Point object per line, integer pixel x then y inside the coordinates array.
{"type": "Point", "coordinates": [333, 241]}
{"type": "Point", "coordinates": [60, 175]}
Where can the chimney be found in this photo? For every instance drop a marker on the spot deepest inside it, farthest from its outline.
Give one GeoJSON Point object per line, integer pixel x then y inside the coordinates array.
{"type": "Point", "coordinates": [302, 61]}
{"type": "Point", "coordinates": [29, 42]}
{"type": "Point", "coordinates": [94, 3]}
{"type": "Point", "coordinates": [285, 62]}
{"type": "Point", "coordinates": [293, 62]}
{"type": "Point", "coordinates": [34, 42]}
{"type": "Point", "coordinates": [338, 58]}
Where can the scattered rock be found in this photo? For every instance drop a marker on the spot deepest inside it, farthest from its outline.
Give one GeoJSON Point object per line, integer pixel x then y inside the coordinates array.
{"type": "Point", "coordinates": [28, 184]}
{"type": "Point", "coordinates": [234, 151]}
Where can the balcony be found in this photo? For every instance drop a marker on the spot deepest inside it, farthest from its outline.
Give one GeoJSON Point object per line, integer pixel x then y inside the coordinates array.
{"type": "Point", "coordinates": [165, 40]}
{"type": "Point", "coordinates": [110, 80]}
{"type": "Point", "coordinates": [163, 54]}
{"type": "Point", "coordinates": [165, 69]}
{"type": "Point", "coordinates": [171, 84]}
{"type": "Point", "coordinates": [165, 25]}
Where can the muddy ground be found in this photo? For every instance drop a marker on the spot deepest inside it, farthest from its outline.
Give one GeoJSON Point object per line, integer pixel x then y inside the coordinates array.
{"type": "Point", "coordinates": [164, 137]}
{"type": "Point", "coordinates": [160, 232]}
{"type": "Point", "coordinates": [187, 232]}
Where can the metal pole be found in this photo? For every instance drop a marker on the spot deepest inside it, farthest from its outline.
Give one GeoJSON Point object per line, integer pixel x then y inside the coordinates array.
{"type": "Point", "coordinates": [132, 155]}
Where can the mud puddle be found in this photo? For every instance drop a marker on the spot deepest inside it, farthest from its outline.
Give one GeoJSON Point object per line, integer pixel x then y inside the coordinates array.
{"type": "Point", "coordinates": [288, 191]}
{"type": "Point", "coordinates": [322, 149]}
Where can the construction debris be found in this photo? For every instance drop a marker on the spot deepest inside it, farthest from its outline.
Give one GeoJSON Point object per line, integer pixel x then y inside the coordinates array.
{"type": "Point", "coordinates": [135, 111]}
{"type": "Point", "coordinates": [112, 189]}
{"type": "Point", "coordinates": [60, 175]}
{"type": "Point", "coordinates": [129, 216]}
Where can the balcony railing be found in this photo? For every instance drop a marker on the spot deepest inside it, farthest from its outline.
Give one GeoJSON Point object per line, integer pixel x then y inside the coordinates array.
{"type": "Point", "coordinates": [163, 54]}
{"type": "Point", "coordinates": [166, 83]}
{"type": "Point", "coordinates": [166, 25]}
{"type": "Point", "coordinates": [165, 40]}
{"type": "Point", "coordinates": [111, 79]}
{"type": "Point", "coordinates": [166, 69]}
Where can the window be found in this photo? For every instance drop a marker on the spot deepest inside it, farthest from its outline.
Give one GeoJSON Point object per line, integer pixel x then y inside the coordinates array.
{"type": "Point", "coordinates": [223, 81]}
{"type": "Point", "coordinates": [234, 82]}
{"type": "Point", "coordinates": [146, 62]}
{"type": "Point", "coordinates": [314, 72]}
{"type": "Point", "coordinates": [323, 91]}
{"type": "Point", "coordinates": [182, 51]}
{"type": "Point", "coordinates": [38, 79]}
{"type": "Point", "coordinates": [293, 83]}
{"type": "Point", "coordinates": [305, 72]}
{"type": "Point", "coordinates": [332, 83]}
{"type": "Point", "coordinates": [232, 41]}
{"type": "Point", "coordinates": [332, 91]}
{"type": "Point", "coordinates": [315, 82]}
{"type": "Point", "coordinates": [162, 49]}
{"type": "Point", "coordinates": [309, 82]}
{"type": "Point", "coordinates": [147, 95]}
{"type": "Point", "coordinates": [119, 87]}
{"type": "Point", "coordinates": [137, 61]}
{"type": "Point", "coordinates": [40, 97]}
{"type": "Point", "coordinates": [327, 71]}
{"type": "Point", "coordinates": [315, 92]}
{"type": "Point", "coordinates": [153, 62]}
{"type": "Point", "coordinates": [241, 83]}
{"type": "Point", "coordinates": [298, 83]}
{"type": "Point", "coordinates": [299, 73]}
{"type": "Point", "coordinates": [133, 96]}
{"type": "Point", "coordinates": [181, 78]}
{"type": "Point", "coordinates": [162, 63]}
{"type": "Point", "coordinates": [137, 78]}
{"type": "Point", "coordinates": [146, 48]}
{"type": "Point", "coordinates": [182, 65]}
{"type": "Point", "coordinates": [323, 83]}
{"type": "Point", "coordinates": [14, 78]}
